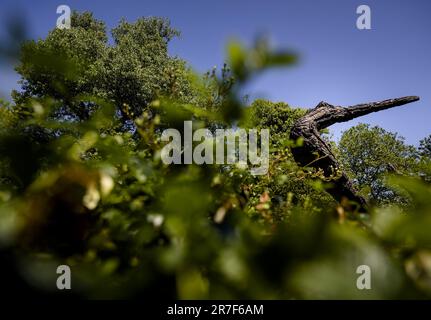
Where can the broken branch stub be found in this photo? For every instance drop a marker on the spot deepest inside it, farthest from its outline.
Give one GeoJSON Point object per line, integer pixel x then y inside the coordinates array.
{"type": "Point", "coordinates": [315, 152]}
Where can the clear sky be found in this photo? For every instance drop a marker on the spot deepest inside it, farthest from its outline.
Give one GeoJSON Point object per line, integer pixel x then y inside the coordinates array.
{"type": "Point", "coordinates": [338, 63]}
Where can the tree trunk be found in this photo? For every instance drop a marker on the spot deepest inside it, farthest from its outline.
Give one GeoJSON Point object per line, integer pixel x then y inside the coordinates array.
{"type": "Point", "coordinates": [315, 152]}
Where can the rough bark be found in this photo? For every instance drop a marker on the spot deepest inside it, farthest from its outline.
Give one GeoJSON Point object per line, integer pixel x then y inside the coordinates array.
{"type": "Point", "coordinates": [316, 153]}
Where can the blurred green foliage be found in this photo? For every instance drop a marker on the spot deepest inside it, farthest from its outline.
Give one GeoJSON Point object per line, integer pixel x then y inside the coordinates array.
{"type": "Point", "coordinates": [82, 183]}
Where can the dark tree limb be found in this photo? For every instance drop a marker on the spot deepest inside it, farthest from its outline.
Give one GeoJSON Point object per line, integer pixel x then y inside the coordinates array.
{"type": "Point", "coordinates": [316, 153]}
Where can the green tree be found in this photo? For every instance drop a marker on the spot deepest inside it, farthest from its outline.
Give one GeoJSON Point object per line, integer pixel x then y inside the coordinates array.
{"type": "Point", "coordinates": [368, 153]}
{"type": "Point", "coordinates": [425, 146]}
{"type": "Point", "coordinates": [72, 65]}
{"type": "Point", "coordinates": [424, 166]}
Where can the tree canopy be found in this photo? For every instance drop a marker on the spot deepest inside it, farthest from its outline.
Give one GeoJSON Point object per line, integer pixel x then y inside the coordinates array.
{"type": "Point", "coordinates": [71, 65]}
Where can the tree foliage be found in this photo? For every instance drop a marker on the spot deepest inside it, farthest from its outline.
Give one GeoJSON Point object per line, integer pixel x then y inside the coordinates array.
{"type": "Point", "coordinates": [73, 64]}
{"type": "Point", "coordinates": [425, 147]}
{"type": "Point", "coordinates": [368, 153]}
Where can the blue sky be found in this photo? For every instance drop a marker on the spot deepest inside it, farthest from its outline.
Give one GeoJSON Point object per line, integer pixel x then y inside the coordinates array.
{"type": "Point", "coordinates": [338, 63]}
